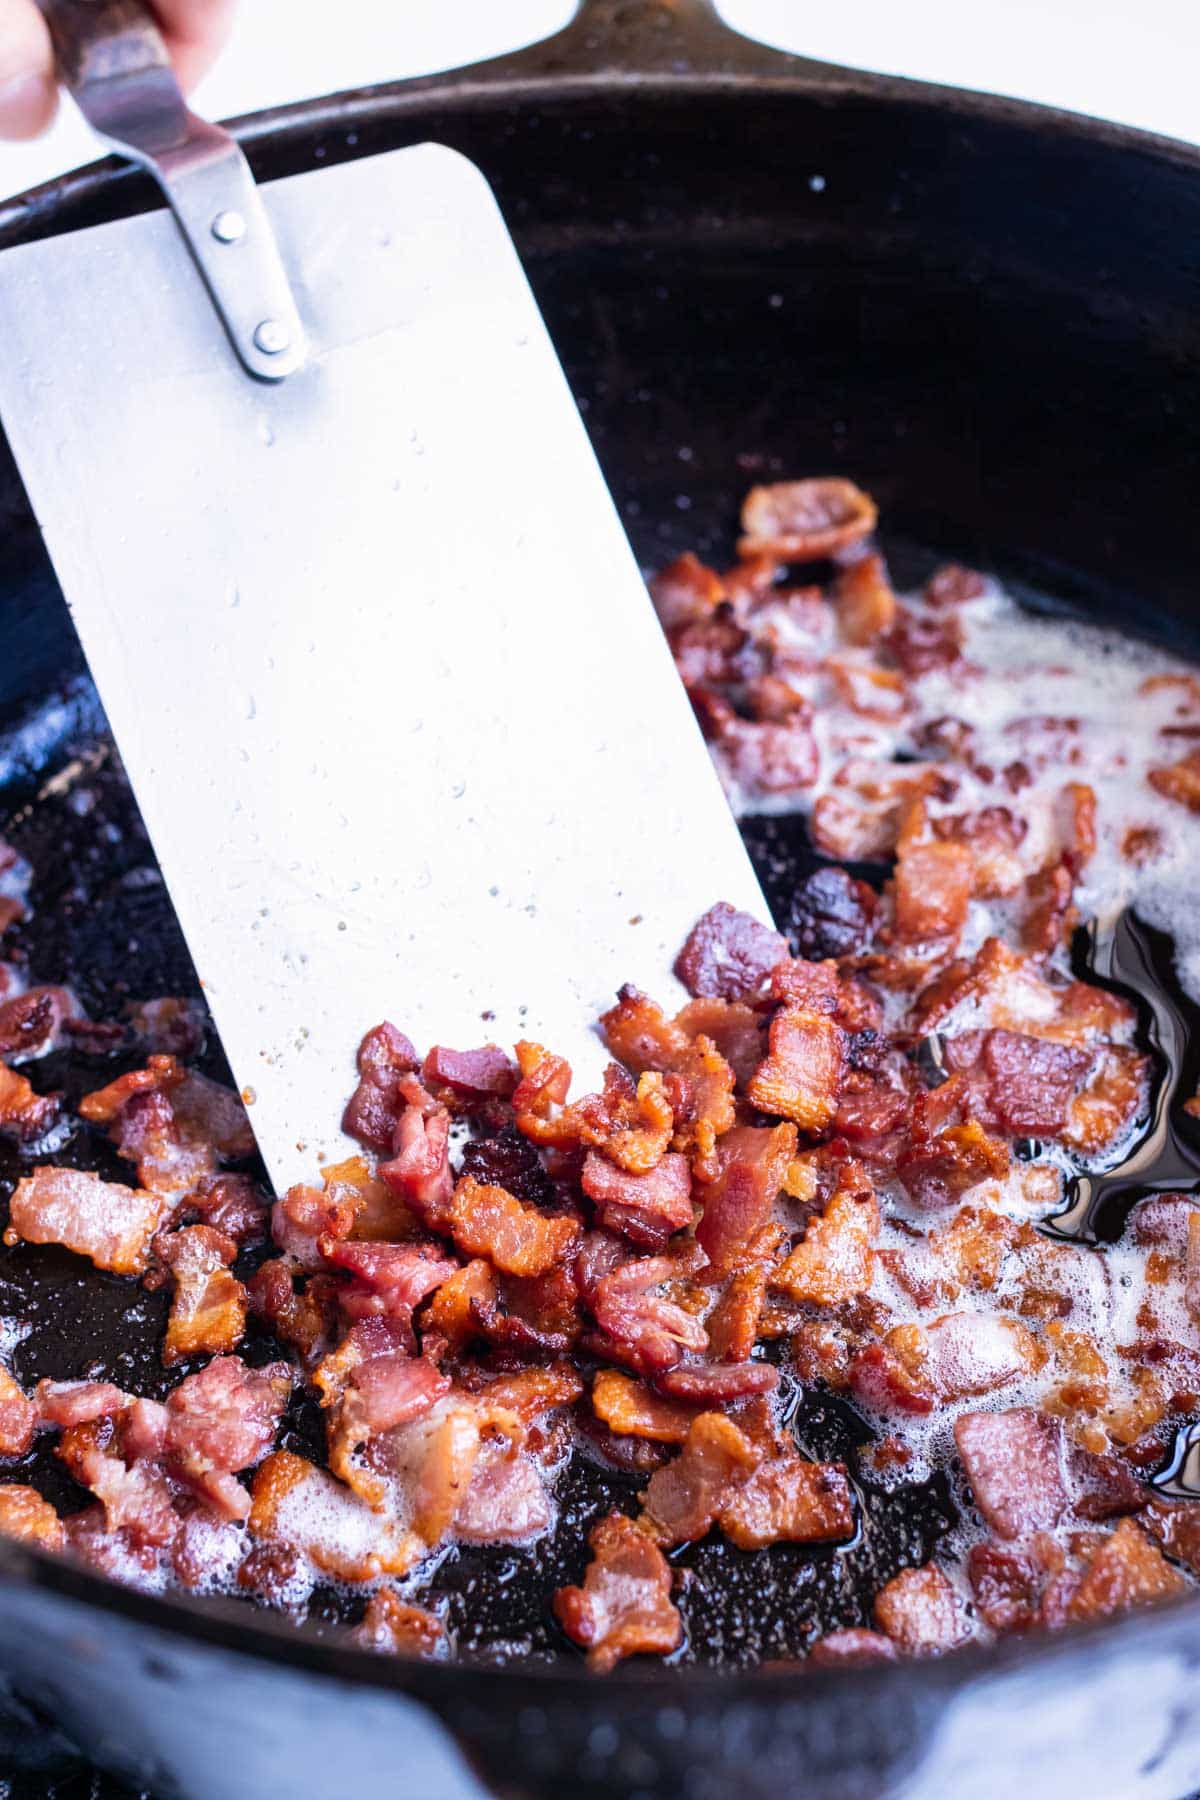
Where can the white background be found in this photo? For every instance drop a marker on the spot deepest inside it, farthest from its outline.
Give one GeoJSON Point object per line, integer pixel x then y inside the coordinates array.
{"type": "Point", "coordinates": [1133, 60]}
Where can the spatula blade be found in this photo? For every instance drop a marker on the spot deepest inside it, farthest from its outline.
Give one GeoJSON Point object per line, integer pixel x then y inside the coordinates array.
{"type": "Point", "coordinates": [373, 645]}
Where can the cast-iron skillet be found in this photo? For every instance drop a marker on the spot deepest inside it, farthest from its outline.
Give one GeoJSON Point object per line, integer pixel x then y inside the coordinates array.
{"type": "Point", "coordinates": [751, 264]}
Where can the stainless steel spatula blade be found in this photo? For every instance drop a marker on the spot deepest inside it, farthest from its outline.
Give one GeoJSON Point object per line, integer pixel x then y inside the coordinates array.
{"type": "Point", "coordinates": [375, 650]}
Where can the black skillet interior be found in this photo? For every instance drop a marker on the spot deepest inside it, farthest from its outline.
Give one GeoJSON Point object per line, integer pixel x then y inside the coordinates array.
{"type": "Point", "coordinates": [980, 312]}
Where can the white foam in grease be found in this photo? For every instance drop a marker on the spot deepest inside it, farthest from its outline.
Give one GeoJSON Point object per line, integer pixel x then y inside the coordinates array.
{"type": "Point", "coordinates": [1021, 672]}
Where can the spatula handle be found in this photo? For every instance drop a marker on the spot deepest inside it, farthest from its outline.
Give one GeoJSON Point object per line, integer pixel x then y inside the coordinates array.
{"type": "Point", "coordinates": [112, 58]}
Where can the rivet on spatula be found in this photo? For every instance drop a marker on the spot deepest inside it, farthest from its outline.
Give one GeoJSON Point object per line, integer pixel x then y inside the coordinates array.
{"type": "Point", "coordinates": [228, 227]}
{"type": "Point", "coordinates": [271, 337]}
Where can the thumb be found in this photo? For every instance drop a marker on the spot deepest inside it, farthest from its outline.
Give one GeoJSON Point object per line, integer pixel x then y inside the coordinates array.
{"type": "Point", "coordinates": [28, 91]}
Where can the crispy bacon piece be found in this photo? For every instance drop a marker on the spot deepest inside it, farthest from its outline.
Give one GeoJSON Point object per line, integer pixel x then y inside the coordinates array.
{"type": "Point", "coordinates": [938, 1167]}
{"type": "Point", "coordinates": [752, 1164]}
{"type": "Point", "coordinates": [801, 1077]}
{"type": "Point", "coordinates": [992, 835]}
{"type": "Point", "coordinates": [308, 1218]}
{"type": "Point", "coordinates": [920, 1612]}
{"type": "Point", "coordinates": [507, 1160]}
{"type": "Point", "coordinates": [221, 1420]}
{"type": "Point", "coordinates": [787, 1500]}
{"type": "Point", "coordinates": [648, 1208]}
{"type": "Point", "coordinates": [301, 1317]}
{"type": "Point", "coordinates": [854, 1646]}
{"type": "Point", "coordinates": [1126, 1570]}
{"type": "Point", "coordinates": [960, 1354]}
{"type": "Point", "coordinates": [110, 1224]}
{"type": "Point", "coordinates": [394, 1628]}
{"type": "Point", "coordinates": [420, 1169]}
{"type": "Point", "coordinates": [531, 1393]}
{"type": "Point", "coordinates": [802, 521]}
{"type": "Point", "coordinates": [25, 1515]}
{"type": "Point", "coordinates": [374, 1108]}
{"type": "Point", "coordinates": [682, 1500]}
{"type": "Point", "coordinates": [729, 956]}
{"type": "Point", "coordinates": [171, 1025]}
{"type": "Point", "coordinates": [864, 600]}
{"type": "Point", "coordinates": [1179, 781]}
{"type": "Point", "coordinates": [831, 914]}
{"type": "Point", "coordinates": [643, 1327]}
{"type": "Point", "coordinates": [65, 1403]}
{"type": "Point", "coordinates": [631, 1409]}
{"type": "Point", "coordinates": [624, 1606]}
{"type": "Point", "coordinates": [835, 1260]}
{"type": "Point", "coordinates": [1015, 1464]}
{"type": "Point", "coordinates": [920, 642]}
{"type": "Point", "coordinates": [1019, 1084]}
{"type": "Point", "coordinates": [686, 592]}
{"type": "Point", "coordinates": [390, 1280]}
{"type": "Point", "coordinates": [470, 1075]}
{"type": "Point", "coordinates": [31, 1023]}
{"type": "Point", "coordinates": [230, 1204]}
{"type": "Point", "coordinates": [174, 1124]}
{"type": "Point", "coordinates": [506, 1500]}
{"type": "Point", "coordinates": [208, 1307]}
{"type": "Point", "coordinates": [136, 1498]}
{"type": "Point", "coordinates": [1109, 1101]}
{"type": "Point", "coordinates": [24, 1114]}
{"type": "Point", "coordinates": [520, 1240]}
{"type": "Point", "coordinates": [299, 1505]}
{"type": "Point", "coordinates": [953, 585]}
{"type": "Point", "coordinates": [640, 1035]}
{"type": "Point", "coordinates": [931, 891]}
{"type": "Point", "coordinates": [734, 1324]}
{"type": "Point", "coordinates": [18, 1416]}
{"type": "Point", "coordinates": [849, 831]}
{"type": "Point", "coordinates": [716, 1384]}
{"type": "Point", "coordinates": [1007, 1586]}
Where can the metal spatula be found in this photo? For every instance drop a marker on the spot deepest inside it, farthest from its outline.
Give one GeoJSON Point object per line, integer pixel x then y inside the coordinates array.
{"type": "Point", "coordinates": [374, 648]}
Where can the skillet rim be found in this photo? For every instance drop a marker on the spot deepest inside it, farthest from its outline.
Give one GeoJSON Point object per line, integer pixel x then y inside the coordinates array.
{"type": "Point", "coordinates": [550, 71]}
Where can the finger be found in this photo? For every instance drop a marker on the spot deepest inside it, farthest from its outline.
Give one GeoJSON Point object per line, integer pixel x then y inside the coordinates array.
{"type": "Point", "coordinates": [28, 94]}
{"type": "Point", "coordinates": [195, 31]}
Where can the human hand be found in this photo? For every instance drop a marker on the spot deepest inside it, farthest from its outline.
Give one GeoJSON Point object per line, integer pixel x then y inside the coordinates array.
{"type": "Point", "coordinates": [194, 31]}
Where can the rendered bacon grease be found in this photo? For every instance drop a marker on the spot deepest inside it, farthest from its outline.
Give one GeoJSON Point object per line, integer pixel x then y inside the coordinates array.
{"type": "Point", "coordinates": [778, 1187]}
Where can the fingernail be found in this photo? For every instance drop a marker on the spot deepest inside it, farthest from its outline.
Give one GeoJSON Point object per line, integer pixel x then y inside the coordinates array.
{"type": "Point", "coordinates": [26, 105]}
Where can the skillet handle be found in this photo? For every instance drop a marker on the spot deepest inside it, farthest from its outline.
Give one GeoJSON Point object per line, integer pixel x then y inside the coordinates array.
{"type": "Point", "coordinates": [628, 39]}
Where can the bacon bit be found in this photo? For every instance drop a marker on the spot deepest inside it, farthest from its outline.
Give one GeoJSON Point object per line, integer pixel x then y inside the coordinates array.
{"type": "Point", "coordinates": [374, 1108]}
{"type": "Point", "coordinates": [1024, 1085]}
{"type": "Point", "coordinates": [208, 1309]}
{"type": "Point", "coordinates": [686, 591]}
{"type": "Point", "coordinates": [26, 1516]}
{"type": "Point", "coordinates": [801, 1076]}
{"type": "Point", "coordinates": [392, 1627]}
{"type": "Point", "coordinates": [301, 1319]}
{"type": "Point", "coordinates": [931, 891]}
{"type": "Point", "coordinates": [630, 1408]}
{"type": "Point", "coordinates": [232, 1205]}
{"type": "Point", "coordinates": [640, 1035]}
{"type": "Point", "coordinates": [920, 643]}
{"type": "Point", "coordinates": [648, 1208]}
{"type": "Point", "coordinates": [633, 1126]}
{"type": "Point", "coordinates": [221, 1420]}
{"type": "Point", "coordinates": [1051, 917]}
{"type": "Point", "coordinates": [879, 694]}
{"type": "Point", "coordinates": [993, 836]}
{"type": "Point", "coordinates": [711, 650]}
{"type": "Point", "coordinates": [420, 1171]}
{"type": "Point", "coordinates": [110, 1224]}
{"type": "Point", "coordinates": [854, 1647]}
{"type": "Point", "coordinates": [489, 1221]}
{"type": "Point", "coordinates": [390, 1280]}
{"type": "Point", "coordinates": [737, 1031]}
{"type": "Point", "coordinates": [738, 1203]}
{"type": "Point", "coordinates": [171, 1025]}
{"type": "Point", "coordinates": [31, 1023]}
{"type": "Point", "coordinates": [1125, 1570]}
{"type": "Point", "coordinates": [683, 1499]}
{"type": "Point", "coordinates": [834, 1262]}
{"type": "Point", "coordinates": [452, 1311]}
{"type": "Point", "coordinates": [18, 1416]}
{"type": "Point", "coordinates": [734, 1325]}
{"type": "Point", "coordinates": [1109, 1102]}
{"type": "Point", "coordinates": [1191, 1289]}
{"type": "Point", "coordinates": [374, 1212]}
{"type": "Point", "coordinates": [470, 1075]}
{"type": "Point", "coordinates": [831, 914]}
{"type": "Point", "coordinates": [702, 1098]}
{"type": "Point", "coordinates": [1176, 1526]}
{"type": "Point", "coordinates": [729, 956]}
{"type": "Point", "coordinates": [174, 1124]}
{"type": "Point", "coordinates": [306, 1218]}
{"type": "Point", "coordinates": [1142, 844]}
{"type": "Point", "coordinates": [935, 1170]}
{"type": "Point", "coordinates": [864, 600]}
{"type": "Point", "coordinates": [789, 1501]}
{"type": "Point", "coordinates": [531, 1393]}
{"type": "Point", "coordinates": [25, 1115]}
{"type": "Point", "coordinates": [299, 1505]}
{"type": "Point", "coordinates": [953, 585]}
{"type": "Point", "coordinates": [137, 1500]}
{"type": "Point", "coordinates": [803, 521]}
{"type": "Point", "coordinates": [1007, 1587]}
{"type": "Point", "coordinates": [647, 1330]}
{"type": "Point", "coordinates": [920, 1611]}
{"type": "Point", "coordinates": [765, 758]}
{"type": "Point", "coordinates": [65, 1403]}
{"type": "Point", "coordinates": [848, 832]}
{"type": "Point", "coordinates": [1014, 1463]}
{"type": "Point", "coordinates": [624, 1606]}
{"type": "Point", "coordinates": [957, 1355]}
{"type": "Point", "coordinates": [1179, 781]}
{"type": "Point", "coordinates": [716, 1384]}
